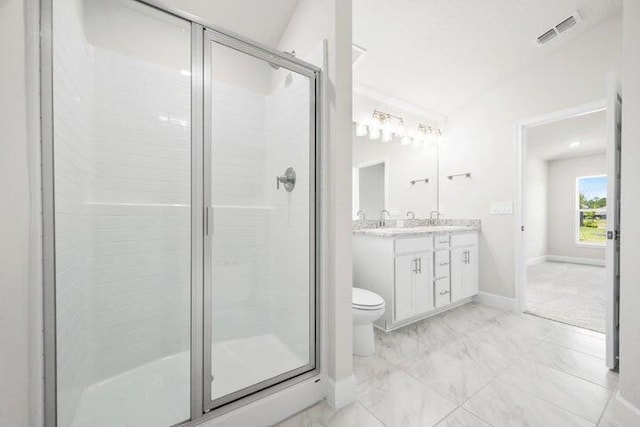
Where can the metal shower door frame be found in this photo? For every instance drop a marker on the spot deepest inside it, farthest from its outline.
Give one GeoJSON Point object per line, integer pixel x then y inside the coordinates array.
{"type": "Point", "coordinates": [201, 407]}
{"type": "Point", "coordinates": [313, 74]}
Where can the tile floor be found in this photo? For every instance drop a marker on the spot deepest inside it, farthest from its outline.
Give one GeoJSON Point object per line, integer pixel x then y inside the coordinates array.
{"type": "Point", "coordinates": [569, 293]}
{"type": "Point", "coordinates": [478, 366]}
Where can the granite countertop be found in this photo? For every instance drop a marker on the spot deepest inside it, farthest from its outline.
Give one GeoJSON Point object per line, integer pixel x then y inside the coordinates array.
{"type": "Point", "coordinates": [414, 231]}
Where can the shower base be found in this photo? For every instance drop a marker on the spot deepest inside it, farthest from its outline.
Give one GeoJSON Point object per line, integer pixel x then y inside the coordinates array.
{"type": "Point", "coordinates": [157, 394]}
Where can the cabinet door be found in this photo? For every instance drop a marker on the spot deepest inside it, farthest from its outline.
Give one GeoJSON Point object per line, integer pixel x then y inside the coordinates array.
{"type": "Point", "coordinates": [406, 267]}
{"type": "Point", "coordinates": [470, 272]}
{"type": "Point", "coordinates": [424, 283]}
{"type": "Point", "coordinates": [458, 257]}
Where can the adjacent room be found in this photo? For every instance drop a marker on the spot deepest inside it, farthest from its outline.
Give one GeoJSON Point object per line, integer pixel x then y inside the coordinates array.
{"type": "Point", "coordinates": [566, 220]}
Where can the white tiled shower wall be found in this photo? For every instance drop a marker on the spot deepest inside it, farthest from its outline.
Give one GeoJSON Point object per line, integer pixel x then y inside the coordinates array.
{"type": "Point", "coordinates": [288, 119]}
{"type": "Point", "coordinates": [122, 165]}
{"type": "Point", "coordinates": [261, 234]}
{"type": "Point", "coordinates": [74, 171]}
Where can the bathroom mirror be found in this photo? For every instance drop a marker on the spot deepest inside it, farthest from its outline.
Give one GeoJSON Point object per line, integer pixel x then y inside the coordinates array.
{"type": "Point", "coordinates": [370, 188]}
{"type": "Point", "coordinates": [383, 173]}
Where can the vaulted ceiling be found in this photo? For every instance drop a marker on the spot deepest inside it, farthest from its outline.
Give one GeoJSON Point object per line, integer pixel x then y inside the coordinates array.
{"type": "Point", "coordinates": [440, 54]}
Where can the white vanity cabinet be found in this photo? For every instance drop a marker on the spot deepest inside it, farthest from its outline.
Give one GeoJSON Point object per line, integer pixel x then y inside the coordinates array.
{"type": "Point", "coordinates": [464, 266]}
{"type": "Point", "coordinates": [413, 289]}
{"type": "Point", "coordinates": [416, 275]}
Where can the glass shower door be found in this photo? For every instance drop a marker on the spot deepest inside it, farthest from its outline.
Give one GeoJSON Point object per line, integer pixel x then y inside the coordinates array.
{"type": "Point", "coordinates": [260, 192]}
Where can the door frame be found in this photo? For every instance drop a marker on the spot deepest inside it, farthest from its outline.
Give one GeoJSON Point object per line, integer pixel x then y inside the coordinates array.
{"type": "Point", "coordinates": [520, 232]}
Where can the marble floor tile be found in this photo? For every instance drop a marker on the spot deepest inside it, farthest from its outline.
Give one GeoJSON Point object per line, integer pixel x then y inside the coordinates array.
{"type": "Point", "coordinates": [369, 366]}
{"type": "Point", "coordinates": [594, 343]}
{"type": "Point", "coordinates": [431, 332]}
{"type": "Point", "coordinates": [322, 415]}
{"type": "Point", "coordinates": [576, 395]}
{"type": "Point", "coordinates": [503, 405]}
{"type": "Point", "coordinates": [608, 418]}
{"type": "Point", "coordinates": [395, 347]}
{"type": "Point", "coordinates": [457, 370]}
{"type": "Point", "coordinates": [573, 362]}
{"type": "Point", "coordinates": [524, 324]}
{"type": "Point", "coordinates": [483, 312]}
{"type": "Point", "coordinates": [462, 418]}
{"type": "Point", "coordinates": [461, 319]}
{"type": "Point", "coordinates": [504, 339]}
{"type": "Point", "coordinates": [397, 399]}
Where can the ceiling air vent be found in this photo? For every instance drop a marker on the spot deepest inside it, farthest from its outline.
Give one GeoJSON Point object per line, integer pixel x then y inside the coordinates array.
{"type": "Point", "coordinates": [566, 24]}
{"type": "Point", "coordinates": [357, 52]}
{"type": "Point", "coordinates": [560, 28]}
{"type": "Point", "coordinates": [547, 36]}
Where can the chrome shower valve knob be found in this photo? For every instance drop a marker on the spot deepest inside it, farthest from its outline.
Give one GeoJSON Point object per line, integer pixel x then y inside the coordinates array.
{"type": "Point", "coordinates": [288, 180]}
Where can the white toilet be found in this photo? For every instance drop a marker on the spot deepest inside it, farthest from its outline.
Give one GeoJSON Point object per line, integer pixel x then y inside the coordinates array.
{"type": "Point", "coordinates": [367, 308]}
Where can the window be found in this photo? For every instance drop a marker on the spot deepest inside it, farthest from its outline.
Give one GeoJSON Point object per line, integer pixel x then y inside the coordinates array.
{"type": "Point", "coordinates": [591, 210]}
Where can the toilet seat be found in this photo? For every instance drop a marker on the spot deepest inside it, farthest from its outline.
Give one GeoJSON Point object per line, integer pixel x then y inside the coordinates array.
{"type": "Point", "coordinates": [363, 299]}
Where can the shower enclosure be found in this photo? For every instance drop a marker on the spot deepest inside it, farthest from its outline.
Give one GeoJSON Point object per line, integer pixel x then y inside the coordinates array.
{"type": "Point", "coordinates": [180, 184]}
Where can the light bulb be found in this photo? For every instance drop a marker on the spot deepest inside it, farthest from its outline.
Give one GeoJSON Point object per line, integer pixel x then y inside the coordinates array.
{"type": "Point", "coordinates": [374, 133]}
{"type": "Point", "coordinates": [361, 129]}
{"type": "Point", "coordinates": [400, 129]}
{"type": "Point", "coordinates": [406, 140]}
{"type": "Point", "coordinates": [387, 135]}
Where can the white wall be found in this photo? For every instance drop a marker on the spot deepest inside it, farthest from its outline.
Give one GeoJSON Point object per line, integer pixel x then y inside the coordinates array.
{"type": "Point", "coordinates": [536, 210]}
{"type": "Point", "coordinates": [562, 204]}
{"type": "Point", "coordinates": [14, 220]}
{"type": "Point", "coordinates": [481, 136]}
{"type": "Point", "coordinates": [630, 234]}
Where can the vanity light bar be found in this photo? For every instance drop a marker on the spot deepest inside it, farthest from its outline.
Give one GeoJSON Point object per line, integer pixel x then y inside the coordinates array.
{"type": "Point", "coordinates": [382, 128]}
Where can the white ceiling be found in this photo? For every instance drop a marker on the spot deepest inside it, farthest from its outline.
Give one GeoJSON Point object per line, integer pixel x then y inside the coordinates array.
{"type": "Point", "coordinates": [551, 141]}
{"type": "Point", "coordinates": [260, 20]}
{"type": "Point", "coordinates": [440, 54]}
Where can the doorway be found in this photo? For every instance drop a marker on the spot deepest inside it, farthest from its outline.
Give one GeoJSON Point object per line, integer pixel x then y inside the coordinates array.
{"type": "Point", "coordinates": [567, 226]}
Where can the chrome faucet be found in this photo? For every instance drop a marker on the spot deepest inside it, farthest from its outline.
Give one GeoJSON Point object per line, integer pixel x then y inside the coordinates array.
{"type": "Point", "coordinates": [434, 212]}
{"type": "Point", "coordinates": [361, 217]}
{"type": "Point", "coordinates": [412, 213]}
{"type": "Point", "coordinates": [382, 220]}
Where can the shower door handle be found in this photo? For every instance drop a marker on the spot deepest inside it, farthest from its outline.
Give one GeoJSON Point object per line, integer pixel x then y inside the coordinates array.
{"type": "Point", "coordinates": [208, 220]}
{"type": "Point", "coordinates": [288, 179]}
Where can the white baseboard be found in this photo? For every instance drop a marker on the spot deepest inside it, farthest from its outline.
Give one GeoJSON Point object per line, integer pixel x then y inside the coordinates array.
{"type": "Point", "coordinates": [497, 301]}
{"type": "Point", "coordinates": [576, 260]}
{"type": "Point", "coordinates": [341, 393]}
{"type": "Point", "coordinates": [537, 260]}
{"type": "Point", "coordinates": [626, 414]}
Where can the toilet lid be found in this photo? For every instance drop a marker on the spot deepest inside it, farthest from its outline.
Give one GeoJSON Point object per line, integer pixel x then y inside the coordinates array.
{"type": "Point", "coordinates": [365, 298]}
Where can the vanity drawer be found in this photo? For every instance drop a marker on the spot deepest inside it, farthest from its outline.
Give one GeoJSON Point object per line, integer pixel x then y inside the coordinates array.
{"type": "Point", "coordinates": [441, 242]}
{"type": "Point", "coordinates": [441, 263]}
{"type": "Point", "coordinates": [467, 239]}
{"type": "Point", "coordinates": [442, 290]}
{"type": "Point", "coordinates": [416, 244]}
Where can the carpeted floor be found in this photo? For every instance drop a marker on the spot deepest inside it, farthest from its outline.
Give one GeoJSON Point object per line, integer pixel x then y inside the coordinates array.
{"type": "Point", "coordinates": [568, 293]}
